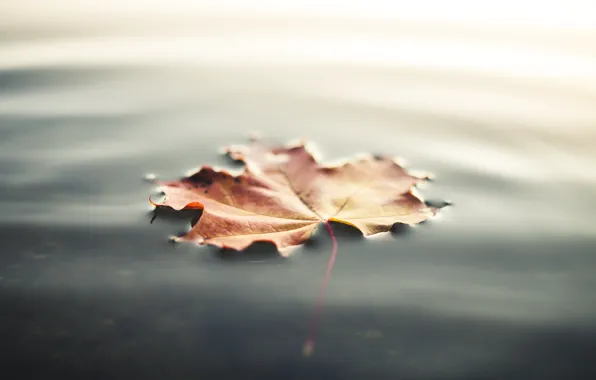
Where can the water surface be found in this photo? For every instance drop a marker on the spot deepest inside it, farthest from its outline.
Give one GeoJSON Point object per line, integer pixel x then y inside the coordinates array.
{"type": "Point", "coordinates": [499, 108]}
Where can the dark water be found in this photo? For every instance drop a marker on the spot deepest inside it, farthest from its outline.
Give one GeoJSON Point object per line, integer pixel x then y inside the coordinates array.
{"type": "Point", "coordinates": [499, 286]}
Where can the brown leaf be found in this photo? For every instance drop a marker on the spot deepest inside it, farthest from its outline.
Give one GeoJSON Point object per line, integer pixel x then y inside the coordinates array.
{"type": "Point", "coordinates": [284, 193]}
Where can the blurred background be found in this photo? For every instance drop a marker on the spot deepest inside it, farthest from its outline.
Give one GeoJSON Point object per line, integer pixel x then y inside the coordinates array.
{"type": "Point", "coordinates": [497, 99]}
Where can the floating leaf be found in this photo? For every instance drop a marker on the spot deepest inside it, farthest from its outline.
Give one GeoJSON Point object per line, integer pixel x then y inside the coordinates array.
{"type": "Point", "coordinates": [284, 193]}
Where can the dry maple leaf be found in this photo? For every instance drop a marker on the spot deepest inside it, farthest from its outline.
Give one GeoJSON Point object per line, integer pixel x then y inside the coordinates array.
{"type": "Point", "coordinates": [283, 194]}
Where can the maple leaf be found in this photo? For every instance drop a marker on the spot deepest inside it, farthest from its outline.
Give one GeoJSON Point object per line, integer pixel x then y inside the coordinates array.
{"type": "Point", "coordinates": [283, 194]}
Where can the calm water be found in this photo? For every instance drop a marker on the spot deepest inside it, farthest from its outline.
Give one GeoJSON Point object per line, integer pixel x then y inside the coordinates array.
{"type": "Point", "coordinates": [500, 108]}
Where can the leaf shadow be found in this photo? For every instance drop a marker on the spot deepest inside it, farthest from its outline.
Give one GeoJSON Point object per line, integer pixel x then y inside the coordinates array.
{"type": "Point", "coordinates": [346, 232]}
{"type": "Point", "coordinates": [438, 203]}
{"type": "Point", "coordinates": [402, 229]}
{"type": "Point", "coordinates": [343, 232]}
{"type": "Point", "coordinates": [188, 217]}
{"type": "Point", "coordinates": [175, 216]}
{"type": "Point", "coordinates": [257, 252]}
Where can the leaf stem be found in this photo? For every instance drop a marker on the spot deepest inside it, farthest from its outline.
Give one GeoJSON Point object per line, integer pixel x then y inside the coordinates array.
{"type": "Point", "coordinates": [309, 344]}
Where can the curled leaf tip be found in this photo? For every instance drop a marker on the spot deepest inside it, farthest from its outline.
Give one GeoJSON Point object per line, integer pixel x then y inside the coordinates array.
{"type": "Point", "coordinates": [153, 203]}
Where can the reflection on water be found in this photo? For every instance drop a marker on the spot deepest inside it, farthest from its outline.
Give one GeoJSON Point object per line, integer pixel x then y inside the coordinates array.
{"type": "Point", "coordinates": [497, 101]}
